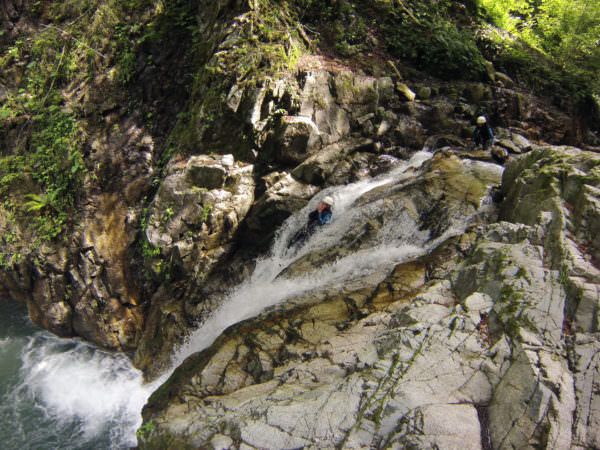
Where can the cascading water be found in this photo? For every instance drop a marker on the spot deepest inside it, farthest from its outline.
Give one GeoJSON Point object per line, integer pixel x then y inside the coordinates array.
{"type": "Point", "coordinates": [398, 241]}
{"type": "Point", "coordinates": [68, 395]}
{"type": "Point", "coordinates": [264, 288]}
{"type": "Point", "coordinates": [63, 394]}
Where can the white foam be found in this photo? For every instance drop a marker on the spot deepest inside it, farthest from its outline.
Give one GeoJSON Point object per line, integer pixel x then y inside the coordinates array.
{"type": "Point", "coordinates": [75, 382]}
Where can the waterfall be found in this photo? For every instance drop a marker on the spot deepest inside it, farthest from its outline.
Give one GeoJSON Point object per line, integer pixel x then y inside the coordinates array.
{"type": "Point", "coordinates": [264, 288]}
{"type": "Point", "coordinates": [77, 396]}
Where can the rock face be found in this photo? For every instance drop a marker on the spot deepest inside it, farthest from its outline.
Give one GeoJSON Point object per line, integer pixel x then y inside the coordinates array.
{"type": "Point", "coordinates": [88, 286]}
{"type": "Point", "coordinates": [198, 208]}
{"type": "Point", "coordinates": [482, 343]}
{"type": "Point", "coordinates": [192, 222]}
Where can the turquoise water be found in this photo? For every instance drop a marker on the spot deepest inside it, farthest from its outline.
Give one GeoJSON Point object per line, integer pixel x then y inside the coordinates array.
{"type": "Point", "coordinates": [63, 394]}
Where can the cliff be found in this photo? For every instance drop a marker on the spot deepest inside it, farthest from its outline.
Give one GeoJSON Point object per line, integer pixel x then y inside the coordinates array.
{"type": "Point", "coordinates": [155, 156]}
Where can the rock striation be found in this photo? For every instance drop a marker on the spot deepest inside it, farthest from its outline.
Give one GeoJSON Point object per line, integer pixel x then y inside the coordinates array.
{"type": "Point", "coordinates": [482, 343]}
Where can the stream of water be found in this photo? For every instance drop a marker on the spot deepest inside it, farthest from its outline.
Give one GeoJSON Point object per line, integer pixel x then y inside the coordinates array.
{"type": "Point", "coordinates": [65, 394]}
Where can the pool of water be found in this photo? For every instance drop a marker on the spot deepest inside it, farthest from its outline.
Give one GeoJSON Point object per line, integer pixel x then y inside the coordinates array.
{"type": "Point", "coordinates": [63, 394]}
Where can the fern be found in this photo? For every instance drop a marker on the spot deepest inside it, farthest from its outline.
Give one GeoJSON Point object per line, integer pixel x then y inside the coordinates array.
{"type": "Point", "coordinates": [36, 202]}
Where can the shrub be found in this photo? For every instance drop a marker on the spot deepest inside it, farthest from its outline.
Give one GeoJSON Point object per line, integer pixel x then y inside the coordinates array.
{"type": "Point", "coordinates": [439, 48]}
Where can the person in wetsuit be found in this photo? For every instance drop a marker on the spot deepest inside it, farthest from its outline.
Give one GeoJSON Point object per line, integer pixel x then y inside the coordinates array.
{"type": "Point", "coordinates": [483, 134]}
{"type": "Point", "coordinates": [316, 218]}
{"type": "Point", "coordinates": [321, 215]}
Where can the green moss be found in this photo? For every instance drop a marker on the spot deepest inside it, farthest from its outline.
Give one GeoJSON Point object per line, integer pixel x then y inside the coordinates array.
{"type": "Point", "coordinates": [53, 164]}
{"type": "Point", "coordinates": [145, 430]}
{"type": "Point", "coordinates": [495, 262]}
{"type": "Point", "coordinates": [163, 440]}
{"type": "Point", "coordinates": [512, 312]}
{"type": "Point", "coordinates": [264, 44]}
{"type": "Point", "coordinates": [44, 169]}
{"type": "Point", "coordinates": [522, 273]}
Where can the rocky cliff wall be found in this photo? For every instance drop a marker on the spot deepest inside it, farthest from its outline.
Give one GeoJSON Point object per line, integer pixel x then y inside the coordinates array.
{"type": "Point", "coordinates": [487, 342]}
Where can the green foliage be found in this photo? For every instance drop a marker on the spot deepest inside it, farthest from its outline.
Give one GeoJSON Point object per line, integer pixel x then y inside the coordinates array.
{"type": "Point", "coordinates": [506, 14]}
{"type": "Point", "coordinates": [54, 165]}
{"type": "Point", "coordinates": [145, 430]}
{"type": "Point", "coordinates": [206, 210]}
{"type": "Point", "coordinates": [342, 22]}
{"type": "Point", "coordinates": [126, 59]}
{"type": "Point", "coordinates": [44, 168]}
{"type": "Point", "coordinates": [553, 43]}
{"type": "Point", "coordinates": [437, 47]}
{"type": "Point", "coordinates": [148, 250]}
{"type": "Point", "coordinates": [38, 202]}
{"type": "Point", "coordinates": [57, 167]}
{"type": "Point", "coordinates": [167, 214]}
{"type": "Point", "coordinates": [422, 32]}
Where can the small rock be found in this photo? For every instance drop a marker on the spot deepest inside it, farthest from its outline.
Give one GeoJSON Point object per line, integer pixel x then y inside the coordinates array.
{"type": "Point", "coordinates": [405, 92]}
{"type": "Point", "coordinates": [424, 92]}
{"type": "Point", "coordinates": [480, 303]}
{"type": "Point", "coordinates": [221, 442]}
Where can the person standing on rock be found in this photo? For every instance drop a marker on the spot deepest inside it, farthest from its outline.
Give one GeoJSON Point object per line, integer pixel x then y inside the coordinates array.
{"type": "Point", "coordinates": [316, 218]}
{"type": "Point", "coordinates": [483, 134]}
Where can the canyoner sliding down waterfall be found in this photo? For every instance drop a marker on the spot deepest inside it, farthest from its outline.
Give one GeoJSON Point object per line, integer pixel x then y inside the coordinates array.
{"type": "Point", "coordinates": [316, 218]}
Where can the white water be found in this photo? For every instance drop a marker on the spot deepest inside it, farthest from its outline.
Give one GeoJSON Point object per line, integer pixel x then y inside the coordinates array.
{"type": "Point", "coordinates": [399, 241]}
{"type": "Point", "coordinates": [93, 399]}
{"type": "Point", "coordinates": [83, 382]}
{"type": "Point", "coordinates": [64, 394]}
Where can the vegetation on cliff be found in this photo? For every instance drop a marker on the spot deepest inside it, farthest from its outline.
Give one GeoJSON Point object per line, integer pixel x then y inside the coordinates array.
{"type": "Point", "coordinates": [549, 46]}
{"type": "Point", "coordinates": [65, 48]}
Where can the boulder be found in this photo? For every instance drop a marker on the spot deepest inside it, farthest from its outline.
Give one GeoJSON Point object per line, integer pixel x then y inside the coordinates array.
{"type": "Point", "coordinates": [405, 92]}
{"type": "Point", "coordinates": [504, 80]}
{"type": "Point", "coordinates": [198, 209]}
{"type": "Point", "coordinates": [424, 92]}
{"type": "Point", "coordinates": [284, 195]}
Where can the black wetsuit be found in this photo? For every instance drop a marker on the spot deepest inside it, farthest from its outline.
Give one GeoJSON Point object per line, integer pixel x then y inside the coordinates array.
{"type": "Point", "coordinates": [484, 136]}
